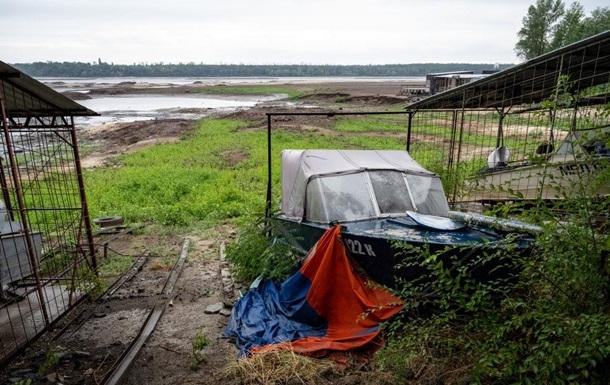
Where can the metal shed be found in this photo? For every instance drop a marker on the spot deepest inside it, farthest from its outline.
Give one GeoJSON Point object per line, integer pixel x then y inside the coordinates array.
{"type": "Point", "coordinates": [47, 256]}
{"type": "Point", "coordinates": [527, 109]}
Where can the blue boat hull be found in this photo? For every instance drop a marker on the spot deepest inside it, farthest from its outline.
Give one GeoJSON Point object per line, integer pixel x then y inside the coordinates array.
{"type": "Point", "coordinates": [372, 245]}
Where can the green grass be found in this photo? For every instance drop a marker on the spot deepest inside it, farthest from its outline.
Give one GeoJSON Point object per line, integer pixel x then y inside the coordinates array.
{"type": "Point", "coordinates": [192, 181]}
{"type": "Point", "coordinates": [389, 123]}
{"type": "Point", "coordinates": [115, 265]}
{"type": "Point", "coordinates": [248, 90]}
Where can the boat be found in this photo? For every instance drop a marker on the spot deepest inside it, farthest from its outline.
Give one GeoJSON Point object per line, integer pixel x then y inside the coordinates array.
{"type": "Point", "coordinates": [578, 166]}
{"type": "Point", "coordinates": [379, 198]}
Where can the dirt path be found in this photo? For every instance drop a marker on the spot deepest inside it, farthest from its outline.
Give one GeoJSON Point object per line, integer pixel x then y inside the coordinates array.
{"type": "Point", "coordinates": [169, 356]}
{"type": "Point", "coordinates": [91, 338]}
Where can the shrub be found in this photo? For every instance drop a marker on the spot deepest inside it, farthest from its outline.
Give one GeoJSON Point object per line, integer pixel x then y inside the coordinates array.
{"type": "Point", "coordinates": [256, 254]}
{"type": "Point", "coordinates": [550, 327]}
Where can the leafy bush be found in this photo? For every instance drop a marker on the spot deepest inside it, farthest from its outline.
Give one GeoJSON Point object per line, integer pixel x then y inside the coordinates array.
{"type": "Point", "coordinates": [550, 327]}
{"type": "Point", "coordinates": [447, 305]}
{"type": "Point", "coordinates": [255, 254]}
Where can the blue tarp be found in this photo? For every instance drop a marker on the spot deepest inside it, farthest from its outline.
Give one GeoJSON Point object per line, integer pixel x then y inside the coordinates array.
{"type": "Point", "coordinates": [325, 306]}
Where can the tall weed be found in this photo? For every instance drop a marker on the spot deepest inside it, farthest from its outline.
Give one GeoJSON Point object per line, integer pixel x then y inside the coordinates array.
{"type": "Point", "coordinates": [255, 255]}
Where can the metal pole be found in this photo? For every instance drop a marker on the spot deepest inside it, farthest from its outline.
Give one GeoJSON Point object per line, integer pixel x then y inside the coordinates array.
{"type": "Point", "coordinates": [500, 138]}
{"type": "Point", "coordinates": [268, 203]}
{"type": "Point", "coordinates": [83, 197]}
{"type": "Point", "coordinates": [409, 127]}
{"type": "Point", "coordinates": [452, 142]}
{"type": "Point", "coordinates": [459, 154]}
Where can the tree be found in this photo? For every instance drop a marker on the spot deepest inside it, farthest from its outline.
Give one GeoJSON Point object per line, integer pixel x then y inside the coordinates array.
{"type": "Point", "coordinates": [598, 22]}
{"type": "Point", "coordinates": [570, 28]}
{"type": "Point", "coordinates": [548, 26]}
{"type": "Point", "coordinates": [539, 25]}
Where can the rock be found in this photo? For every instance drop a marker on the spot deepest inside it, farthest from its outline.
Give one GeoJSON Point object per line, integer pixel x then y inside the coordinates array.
{"type": "Point", "coordinates": [214, 308]}
{"type": "Point", "coordinates": [225, 312]}
{"type": "Point", "coordinates": [229, 303]}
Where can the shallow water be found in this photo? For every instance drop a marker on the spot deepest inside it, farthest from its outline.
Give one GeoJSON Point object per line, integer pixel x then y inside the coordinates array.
{"type": "Point", "coordinates": [124, 108]}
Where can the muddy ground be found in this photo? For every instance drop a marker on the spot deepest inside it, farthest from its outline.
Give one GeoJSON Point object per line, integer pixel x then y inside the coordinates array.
{"type": "Point", "coordinates": [85, 346]}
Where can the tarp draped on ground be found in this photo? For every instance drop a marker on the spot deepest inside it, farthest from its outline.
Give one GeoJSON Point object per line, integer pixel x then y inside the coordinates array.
{"type": "Point", "coordinates": [325, 306]}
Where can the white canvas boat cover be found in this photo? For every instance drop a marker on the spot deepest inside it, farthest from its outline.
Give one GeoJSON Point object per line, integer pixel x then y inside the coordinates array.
{"type": "Point", "coordinates": [300, 166]}
{"type": "Point", "coordinates": [575, 142]}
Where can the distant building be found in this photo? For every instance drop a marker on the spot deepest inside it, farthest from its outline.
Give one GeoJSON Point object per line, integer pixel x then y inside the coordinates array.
{"type": "Point", "coordinates": [443, 81]}
{"type": "Point", "coordinates": [439, 82]}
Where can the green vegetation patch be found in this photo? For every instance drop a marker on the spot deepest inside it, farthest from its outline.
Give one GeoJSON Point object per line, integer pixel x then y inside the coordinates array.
{"type": "Point", "coordinates": [372, 124]}
{"type": "Point", "coordinates": [550, 327]}
{"type": "Point", "coordinates": [196, 179]}
{"type": "Point", "coordinates": [115, 265]}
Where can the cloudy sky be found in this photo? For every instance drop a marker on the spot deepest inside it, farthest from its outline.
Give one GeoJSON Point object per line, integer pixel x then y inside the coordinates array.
{"type": "Point", "coordinates": [263, 31]}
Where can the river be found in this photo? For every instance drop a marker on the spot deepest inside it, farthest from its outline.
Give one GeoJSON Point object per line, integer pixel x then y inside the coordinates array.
{"type": "Point", "coordinates": [127, 108]}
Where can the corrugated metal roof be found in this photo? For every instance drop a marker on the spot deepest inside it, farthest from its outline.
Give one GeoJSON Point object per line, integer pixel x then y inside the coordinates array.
{"type": "Point", "coordinates": [450, 73]}
{"type": "Point", "coordinates": [26, 97]}
{"type": "Point", "coordinates": [587, 63]}
{"type": "Point", "coordinates": [461, 76]}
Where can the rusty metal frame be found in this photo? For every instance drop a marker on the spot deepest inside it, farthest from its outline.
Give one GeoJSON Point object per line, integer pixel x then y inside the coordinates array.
{"type": "Point", "coordinates": [51, 135]}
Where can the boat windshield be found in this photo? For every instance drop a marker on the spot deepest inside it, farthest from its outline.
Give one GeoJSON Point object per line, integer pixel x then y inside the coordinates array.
{"type": "Point", "coordinates": [373, 194]}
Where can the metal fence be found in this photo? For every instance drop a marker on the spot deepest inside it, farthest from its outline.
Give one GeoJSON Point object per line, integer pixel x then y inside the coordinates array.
{"type": "Point", "coordinates": [47, 258]}
{"type": "Point", "coordinates": [524, 158]}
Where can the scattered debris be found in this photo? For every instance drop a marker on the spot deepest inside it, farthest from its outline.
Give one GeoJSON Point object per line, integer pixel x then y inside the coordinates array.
{"type": "Point", "coordinates": [214, 308]}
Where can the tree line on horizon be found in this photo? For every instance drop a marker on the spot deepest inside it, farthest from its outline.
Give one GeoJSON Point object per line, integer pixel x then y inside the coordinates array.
{"type": "Point", "coordinates": [102, 69]}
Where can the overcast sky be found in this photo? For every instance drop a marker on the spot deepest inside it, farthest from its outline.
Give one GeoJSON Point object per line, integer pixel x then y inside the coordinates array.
{"type": "Point", "coordinates": [263, 31]}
